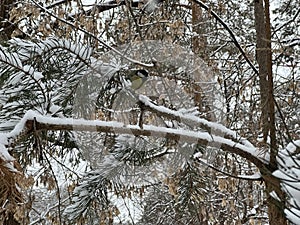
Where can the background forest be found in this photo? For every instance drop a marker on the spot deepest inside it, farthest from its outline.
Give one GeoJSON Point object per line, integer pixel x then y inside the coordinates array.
{"type": "Point", "coordinates": [212, 137]}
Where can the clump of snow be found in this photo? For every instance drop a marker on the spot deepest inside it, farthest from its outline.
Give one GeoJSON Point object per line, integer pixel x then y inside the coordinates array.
{"type": "Point", "coordinates": [4, 154]}
{"type": "Point", "coordinates": [28, 69]}
{"type": "Point", "coordinates": [289, 172]}
{"type": "Point", "coordinates": [3, 150]}
{"type": "Point", "coordinates": [38, 75]}
{"type": "Point", "coordinates": [54, 108]}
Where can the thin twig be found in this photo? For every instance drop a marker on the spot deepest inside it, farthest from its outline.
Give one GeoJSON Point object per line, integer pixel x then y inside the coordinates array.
{"type": "Point", "coordinates": [95, 37]}
{"type": "Point", "coordinates": [232, 35]}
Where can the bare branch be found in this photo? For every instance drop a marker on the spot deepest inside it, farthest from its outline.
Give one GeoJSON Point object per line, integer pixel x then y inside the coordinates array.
{"type": "Point", "coordinates": [232, 35]}
{"type": "Point", "coordinates": [288, 22]}
{"type": "Point", "coordinates": [241, 177]}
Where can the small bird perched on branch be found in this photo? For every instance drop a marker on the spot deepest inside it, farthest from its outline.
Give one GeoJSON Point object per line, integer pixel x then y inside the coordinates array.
{"type": "Point", "coordinates": [138, 78]}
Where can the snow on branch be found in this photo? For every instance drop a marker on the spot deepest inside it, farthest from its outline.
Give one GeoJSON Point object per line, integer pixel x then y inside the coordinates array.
{"type": "Point", "coordinates": [33, 121]}
{"type": "Point", "coordinates": [81, 51]}
{"type": "Point", "coordinates": [11, 59]}
{"type": "Point", "coordinates": [6, 160]}
{"type": "Point", "coordinates": [288, 172]}
{"type": "Point", "coordinates": [180, 116]}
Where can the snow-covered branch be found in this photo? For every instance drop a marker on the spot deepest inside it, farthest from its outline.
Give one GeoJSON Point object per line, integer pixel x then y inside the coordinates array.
{"type": "Point", "coordinates": [183, 117]}
{"type": "Point", "coordinates": [288, 172]}
{"type": "Point", "coordinates": [33, 121]}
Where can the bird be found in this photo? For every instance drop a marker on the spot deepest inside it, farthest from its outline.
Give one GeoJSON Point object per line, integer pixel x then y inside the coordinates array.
{"type": "Point", "coordinates": [138, 78]}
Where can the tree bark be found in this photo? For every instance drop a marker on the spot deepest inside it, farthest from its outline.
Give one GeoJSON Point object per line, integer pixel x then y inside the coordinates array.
{"type": "Point", "coordinates": [264, 59]}
{"type": "Point", "coordinates": [199, 44]}
{"type": "Point", "coordinates": [270, 94]}
{"type": "Point", "coordinates": [5, 26]}
{"type": "Point", "coordinates": [198, 41]}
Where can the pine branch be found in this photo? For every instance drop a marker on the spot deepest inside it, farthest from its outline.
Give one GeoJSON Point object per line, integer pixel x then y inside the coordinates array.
{"type": "Point", "coordinates": [94, 37]}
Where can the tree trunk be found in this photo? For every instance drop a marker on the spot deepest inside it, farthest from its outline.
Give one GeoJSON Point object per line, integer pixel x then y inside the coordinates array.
{"type": "Point", "coordinates": [199, 44]}
{"type": "Point", "coordinates": [270, 94]}
{"type": "Point", "coordinates": [199, 41]}
{"type": "Point", "coordinates": [275, 207]}
{"type": "Point", "coordinates": [264, 59]}
{"type": "Point", "coordinates": [6, 27]}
